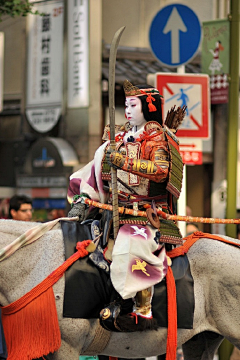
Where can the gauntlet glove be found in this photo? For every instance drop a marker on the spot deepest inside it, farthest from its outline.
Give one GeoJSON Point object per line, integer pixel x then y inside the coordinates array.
{"type": "Point", "coordinates": [79, 210]}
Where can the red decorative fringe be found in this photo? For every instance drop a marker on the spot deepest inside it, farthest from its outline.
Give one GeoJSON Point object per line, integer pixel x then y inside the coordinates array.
{"type": "Point", "coordinates": [33, 331]}
{"type": "Point", "coordinates": [31, 323]}
{"type": "Point", "coordinates": [172, 316]}
{"type": "Point", "coordinates": [171, 288]}
{"type": "Point", "coordinates": [152, 107]}
{"type": "Point", "coordinates": [191, 239]}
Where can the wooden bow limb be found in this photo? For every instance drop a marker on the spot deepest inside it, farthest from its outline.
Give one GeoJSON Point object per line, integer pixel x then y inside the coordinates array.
{"type": "Point", "coordinates": [162, 214]}
{"type": "Point", "coordinates": [111, 92]}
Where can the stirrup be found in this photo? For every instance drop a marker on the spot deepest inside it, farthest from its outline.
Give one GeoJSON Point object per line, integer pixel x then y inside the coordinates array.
{"type": "Point", "coordinates": [108, 317]}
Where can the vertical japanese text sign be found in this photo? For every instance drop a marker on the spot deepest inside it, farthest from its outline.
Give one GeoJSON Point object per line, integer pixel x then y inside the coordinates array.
{"type": "Point", "coordinates": [78, 62]}
{"type": "Point", "coordinates": [45, 55]}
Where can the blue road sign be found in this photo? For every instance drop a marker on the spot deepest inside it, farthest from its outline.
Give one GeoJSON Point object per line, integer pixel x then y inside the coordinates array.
{"type": "Point", "coordinates": [175, 35]}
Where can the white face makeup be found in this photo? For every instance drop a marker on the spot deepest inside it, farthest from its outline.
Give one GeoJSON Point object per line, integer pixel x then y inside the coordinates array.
{"type": "Point", "coordinates": [133, 111]}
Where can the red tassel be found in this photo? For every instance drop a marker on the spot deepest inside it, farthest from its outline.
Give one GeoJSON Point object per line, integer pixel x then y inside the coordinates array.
{"type": "Point", "coordinates": [152, 107]}
{"type": "Point", "coordinates": [150, 99]}
{"type": "Point", "coordinates": [33, 331]}
{"type": "Point", "coordinates": [172, 316]}
{"type": "Point", "coordinates": [31, 323]}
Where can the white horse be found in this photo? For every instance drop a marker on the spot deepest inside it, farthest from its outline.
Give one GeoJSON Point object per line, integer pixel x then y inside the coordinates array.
{"type": "Point", "coordinates": [215, 268]}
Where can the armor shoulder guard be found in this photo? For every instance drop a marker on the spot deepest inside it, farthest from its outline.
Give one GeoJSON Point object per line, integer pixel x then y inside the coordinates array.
{"type": "Point", "coordinates": [152, 126]}
{"type": "Point", "coordinates": [174, 182]}
{"type": "Point", "coordinates": [171, 134]}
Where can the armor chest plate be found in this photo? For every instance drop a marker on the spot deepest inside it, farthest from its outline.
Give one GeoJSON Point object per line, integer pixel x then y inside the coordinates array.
{"type": "Point", "coordinates": [138, 184]}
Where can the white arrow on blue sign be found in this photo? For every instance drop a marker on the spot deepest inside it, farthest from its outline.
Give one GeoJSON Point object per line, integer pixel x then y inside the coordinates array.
{"type": "Point", "coordinates": [175, 35]}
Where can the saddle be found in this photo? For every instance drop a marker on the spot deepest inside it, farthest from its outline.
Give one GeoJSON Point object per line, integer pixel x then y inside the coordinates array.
{"type": "Point", "coordinates": [88, 288]}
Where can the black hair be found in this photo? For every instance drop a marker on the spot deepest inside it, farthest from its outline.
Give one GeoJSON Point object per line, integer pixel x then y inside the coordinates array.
{"type": "Point", "coordinates": [154, 115]}
{"type": "Point", "coordinates": [16, 201]}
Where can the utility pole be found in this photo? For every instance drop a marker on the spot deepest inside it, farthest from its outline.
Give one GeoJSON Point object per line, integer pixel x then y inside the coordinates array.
{"type": "Point", "coordinates": [226, 347]}
{"type": "Point", "coordinates": [233, 115]}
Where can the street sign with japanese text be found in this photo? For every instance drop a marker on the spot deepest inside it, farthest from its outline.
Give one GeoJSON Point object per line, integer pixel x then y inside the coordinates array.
{"type": "Point", "coordinates": [191, 151]}
{"type": "Point", "coordinates": [191, 90]}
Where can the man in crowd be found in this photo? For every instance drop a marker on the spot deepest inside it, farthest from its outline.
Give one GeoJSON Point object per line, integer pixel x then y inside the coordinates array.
{"type": "Point", "coordinates": [20, 208]}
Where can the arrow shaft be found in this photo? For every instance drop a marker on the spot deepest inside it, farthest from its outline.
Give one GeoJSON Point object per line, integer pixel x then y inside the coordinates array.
{"type": "Point", "coordinates": [162, 214]}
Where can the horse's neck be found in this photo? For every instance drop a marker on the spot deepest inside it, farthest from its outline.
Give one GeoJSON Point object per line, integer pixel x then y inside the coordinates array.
{"type": "Point", "coordinates": [29, 265]}
{"type": "Point", "coordinates": [13, 229]}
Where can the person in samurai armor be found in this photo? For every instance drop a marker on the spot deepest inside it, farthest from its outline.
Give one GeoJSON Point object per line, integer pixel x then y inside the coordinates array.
{"type": "Point", "coordinates": [149, 176]}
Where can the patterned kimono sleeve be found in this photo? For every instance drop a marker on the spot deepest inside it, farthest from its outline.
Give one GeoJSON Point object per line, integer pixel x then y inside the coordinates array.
{"type": "Point", "coordinates": [83, 181]}
{"type": "Point", "coordinates": [88, 179]}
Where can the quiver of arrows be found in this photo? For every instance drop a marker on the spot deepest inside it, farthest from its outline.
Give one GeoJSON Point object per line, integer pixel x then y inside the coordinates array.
{"type": "Point", "coordinates": [175, 117]}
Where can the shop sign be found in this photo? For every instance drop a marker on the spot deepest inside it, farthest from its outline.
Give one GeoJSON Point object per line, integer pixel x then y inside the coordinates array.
{"type": "Point", "coordinates": [43, 192]}
{"type": "Point", "coordinates": [215, 58]}
{"type": "Point", "coordinates": [41, 181]}
{"type": "Point", "coordinates": [44, 160]}
{"type": "Point", "coordinates": [49, 203]}
{"type": "Point", "coordinates": [78, 58]}
{"type": "Point", "coordinates": [43, 119]}
{"type": "Point", "coordinates": [45, 55]}
{"type": "Point", "coordinates": [191, 151]}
